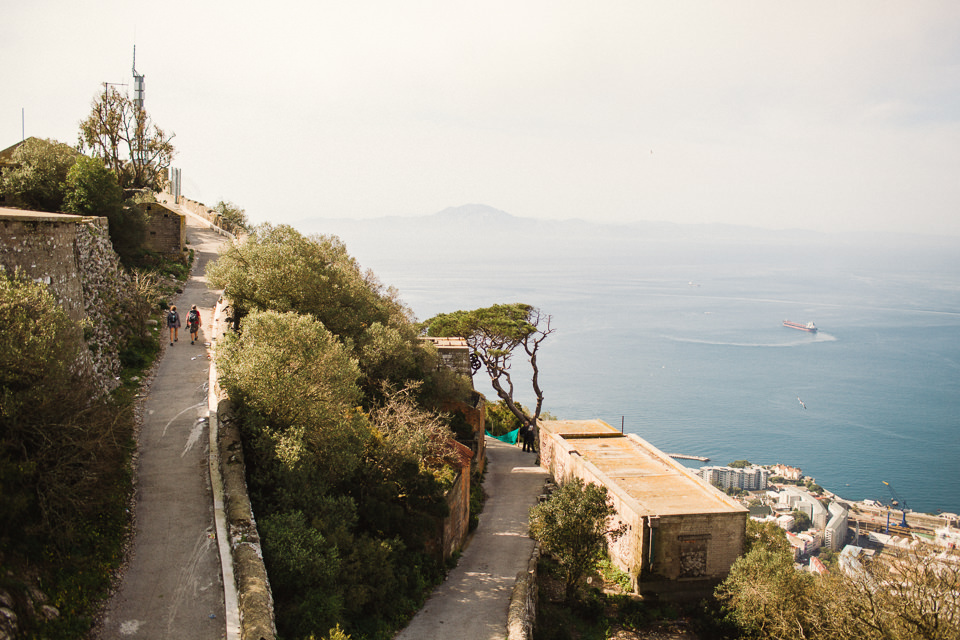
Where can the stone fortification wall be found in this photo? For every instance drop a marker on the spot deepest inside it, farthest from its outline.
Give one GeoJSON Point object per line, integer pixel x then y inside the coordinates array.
{"type": "Point", "coordinates": [74, 257]}
{"type": "Point", "coordinates": [43, 247]}
{"type": "Point", "coordinates": [522, 612]}
{"type": "Point", "coordinates": [198, 209]}
{"type": "Point", "coordinates": [166, 228]}
{"type": "Point", "coordinates": [455, 527]}
{"type": "Point", "coordinates": [105, 287]}
{"type": "Point", "coordinates": [194, 207]}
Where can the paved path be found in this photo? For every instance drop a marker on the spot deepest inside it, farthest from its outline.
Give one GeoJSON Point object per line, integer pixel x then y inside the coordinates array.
{"type": "Point", "coordinates": [472, 602]}
{"type": "Point", "coordinates": [172, 587]}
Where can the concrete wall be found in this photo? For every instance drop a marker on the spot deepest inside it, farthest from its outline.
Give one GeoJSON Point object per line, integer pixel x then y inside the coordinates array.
{"type": "Point", "coordinates": [74, 257]}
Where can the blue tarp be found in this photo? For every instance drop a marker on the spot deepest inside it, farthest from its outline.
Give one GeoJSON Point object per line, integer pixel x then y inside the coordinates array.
{"type": "Point", "coordinates": [509, 438]}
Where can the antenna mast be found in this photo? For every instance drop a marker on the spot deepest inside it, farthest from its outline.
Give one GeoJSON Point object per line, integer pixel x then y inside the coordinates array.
{"type": "Point", "coordinates": [138, 82]}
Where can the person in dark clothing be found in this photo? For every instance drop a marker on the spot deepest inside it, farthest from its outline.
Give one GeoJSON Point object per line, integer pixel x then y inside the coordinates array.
{"type": "Point", "coordinates": [528, 441]}
{"type": "Point", "coordinates": [193, 322]}
{"type": "Point", "coordinates": [173, 323]}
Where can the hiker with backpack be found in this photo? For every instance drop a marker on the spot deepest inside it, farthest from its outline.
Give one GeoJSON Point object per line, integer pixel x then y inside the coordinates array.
{"type": "Point", "coordinates": [173, 323]}
{"type": "Point", "coordinates": [193, 322]}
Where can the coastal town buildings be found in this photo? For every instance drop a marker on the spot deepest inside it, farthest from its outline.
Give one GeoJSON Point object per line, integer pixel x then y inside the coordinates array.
{"type": "Point", "coordinates": [787, 472]}
{"type": "Point", "coordinates": [797, 499]}
{"type": "Point", "coordinates": [752, 478]}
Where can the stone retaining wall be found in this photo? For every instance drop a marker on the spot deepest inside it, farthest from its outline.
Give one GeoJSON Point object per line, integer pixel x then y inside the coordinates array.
{"type": "Point", "coordinates": [522, 613]}
{"type": "Point", "coordinates": [254, 597]}
{"type": "Point", "coordinates": [74, 257]}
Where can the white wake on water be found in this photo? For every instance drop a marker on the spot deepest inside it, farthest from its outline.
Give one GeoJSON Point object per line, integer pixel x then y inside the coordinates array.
{"type": "Point", "coordinates": [820, 337]}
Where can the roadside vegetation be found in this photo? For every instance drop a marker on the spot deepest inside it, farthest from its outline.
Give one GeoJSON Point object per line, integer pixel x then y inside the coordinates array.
{"type": "Point", "coordinates": [348, 453]}
{"type": "Point", "coordinates": [899, 594]}
{"type": "Point", "coordinates": [65, 452]}
{"type": "Point", "coordinates": [65, 444]}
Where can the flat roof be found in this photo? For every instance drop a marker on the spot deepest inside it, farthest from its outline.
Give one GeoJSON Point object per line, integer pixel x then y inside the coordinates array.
{"type": "Point", "coordinates": [36, 216]}
{"type": "Point", "coordinates": [449, 343]}
{"type": "Point", "coordinates": [659, 484]}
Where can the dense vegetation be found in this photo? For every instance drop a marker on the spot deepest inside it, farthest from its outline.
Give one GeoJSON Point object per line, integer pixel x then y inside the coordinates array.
{"type": "Point", "coordinates": [65, 447]}
{"type": "Point", "coordinates": [348, 457]}
{"type": "Point", "coordinates": [900, 595]}
{"type": "Point", "coordinates": [64, 457]}
{"type": "Point", "coordinates": [574, 527]}
{"type": "Point", "coordinates": [52, 176]}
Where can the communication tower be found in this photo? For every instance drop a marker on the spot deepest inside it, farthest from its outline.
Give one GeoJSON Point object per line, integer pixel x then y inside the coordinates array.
{"type": "Point", "coordinates": [138, 83]}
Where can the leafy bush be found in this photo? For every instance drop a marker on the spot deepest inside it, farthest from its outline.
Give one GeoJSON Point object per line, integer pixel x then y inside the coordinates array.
{"type": "Point", "coordinates": [573, 527]}
{"type": "Point", "coordinates": [63, 459]}
{"type": "Point", "coordinates": [347, 458]}
{"type": "Point", "coordinates": [500, 420]}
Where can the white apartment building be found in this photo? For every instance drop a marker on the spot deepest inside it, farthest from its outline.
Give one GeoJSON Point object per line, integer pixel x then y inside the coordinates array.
{"type": "Point", "coordinates": [749, 479]}
{"type": "Point", "coordinates": [835, 533]}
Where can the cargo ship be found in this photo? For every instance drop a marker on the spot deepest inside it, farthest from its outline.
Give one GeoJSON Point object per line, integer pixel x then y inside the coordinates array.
{"type": "Point", "coordinates": [812, 328]}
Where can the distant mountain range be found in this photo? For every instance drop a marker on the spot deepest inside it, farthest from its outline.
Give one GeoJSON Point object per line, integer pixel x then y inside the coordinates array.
{"type": "Point", "coordinates": [477, 232]}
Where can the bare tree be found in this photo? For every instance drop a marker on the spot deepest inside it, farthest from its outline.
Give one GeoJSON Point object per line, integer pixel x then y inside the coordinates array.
{"type": "Point", "coordinates": [124, 136]}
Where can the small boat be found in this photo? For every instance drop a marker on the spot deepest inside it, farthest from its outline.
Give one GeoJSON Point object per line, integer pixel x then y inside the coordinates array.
{"type": "Point", "coordinates": [810, 327]}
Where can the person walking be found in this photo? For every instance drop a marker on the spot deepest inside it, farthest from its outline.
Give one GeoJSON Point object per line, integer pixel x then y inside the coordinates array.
{"type": "Point", "coordinates": [173, 323]}
{"type": "Point", "coordinates": [193, 323]}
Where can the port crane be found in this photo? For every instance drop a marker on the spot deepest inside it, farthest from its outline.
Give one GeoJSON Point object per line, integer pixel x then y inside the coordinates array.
{"type": "Point", "coordinates": [896, 501]}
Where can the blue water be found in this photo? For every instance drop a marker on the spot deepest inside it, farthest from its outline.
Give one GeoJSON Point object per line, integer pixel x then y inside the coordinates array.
{"type": "Point", "coordinates": [687, 350]}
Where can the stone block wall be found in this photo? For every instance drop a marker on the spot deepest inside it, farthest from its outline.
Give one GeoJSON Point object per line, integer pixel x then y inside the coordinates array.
{"type": "Point", "coordinates": [166, 229]}
{"type": "Point", "coordinates": [105, 287]}
{"type": "Point", "coordinates": [560, 457]}
{"type": "Point", "coordinates": [74, 257]}
{"type": "Point", "coordinates": [43, 246]}
{"type": "Point", "coordinates": [697, 546]}
{"type": "Point", "coordinates": [455, 526]}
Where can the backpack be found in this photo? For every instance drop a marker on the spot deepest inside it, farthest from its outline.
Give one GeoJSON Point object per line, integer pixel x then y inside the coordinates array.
{"type": "Point", "coordinates": [193, 316]}
{"type": "Point", "coordinates": [172, 317]}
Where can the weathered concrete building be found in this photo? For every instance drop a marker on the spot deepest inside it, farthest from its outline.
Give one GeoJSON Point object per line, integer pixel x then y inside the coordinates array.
{"type": "Point", "coordinates": [683, 533]}
{"type": "Point", "coordinates": [454, 353]}
{"type": "Point", "coordinates": [166, 229]}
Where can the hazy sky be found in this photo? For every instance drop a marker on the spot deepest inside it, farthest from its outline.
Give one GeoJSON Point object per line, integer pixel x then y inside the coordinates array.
{"type": "Point", "coordinates": [828, 115]}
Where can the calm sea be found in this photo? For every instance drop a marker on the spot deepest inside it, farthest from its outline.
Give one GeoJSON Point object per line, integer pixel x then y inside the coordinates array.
{"type": "Point", "coordinates": [684, 346]}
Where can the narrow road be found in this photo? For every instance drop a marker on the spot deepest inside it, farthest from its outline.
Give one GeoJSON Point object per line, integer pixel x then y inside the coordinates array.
{"type": "Point", "coordinates": [172, 586]}
{"type": "Point", "coordinates": [472, 602]}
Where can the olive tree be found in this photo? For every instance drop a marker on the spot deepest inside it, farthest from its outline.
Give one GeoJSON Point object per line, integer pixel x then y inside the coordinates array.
{"type": "Point", "coordinates": [37, 179]}
{"type": "Point", "coordinates": [232, 217]}
{"type": "Point", "coordinates": [277, 268]}
{"type": "Point", "coordinates": [292, 371]}
{"type": "Point", "coordinates": [495, 334]}
{"type": "Point", "coordinates": [573, 526]}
